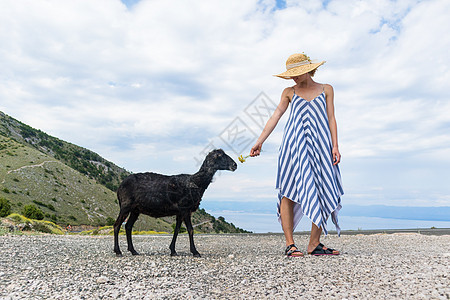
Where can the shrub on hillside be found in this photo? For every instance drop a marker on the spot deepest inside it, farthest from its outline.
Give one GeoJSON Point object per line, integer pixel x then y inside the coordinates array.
{"type": "Point", "coordinates": [32, 212]}
{"type": "Point", "coordinates": [5, 207]}
{"type": "Point", "coordinates": [110, 221]}
{"type": "Point", "coordinates": [182, 228]}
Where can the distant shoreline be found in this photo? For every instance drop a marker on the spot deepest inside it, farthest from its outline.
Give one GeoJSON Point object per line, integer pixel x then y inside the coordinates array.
{"type": "Point", "coordinates": [425, 231]}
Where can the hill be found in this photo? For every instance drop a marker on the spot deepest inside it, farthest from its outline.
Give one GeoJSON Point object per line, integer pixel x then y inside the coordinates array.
{"type": "Point", "coordinates": [80, 159]}
{"type": "Point", "coordinates": [70, 184]}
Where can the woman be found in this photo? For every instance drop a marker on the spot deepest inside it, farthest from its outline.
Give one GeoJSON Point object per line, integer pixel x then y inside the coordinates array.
{"type": "Point", "coordinates": [308, 178]}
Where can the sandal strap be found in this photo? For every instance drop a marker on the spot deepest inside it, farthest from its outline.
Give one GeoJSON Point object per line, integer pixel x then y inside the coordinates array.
{"type": "Point", "coordinates": [289, 248]}
{"type": "Point", "coordinates": [319, 250]}
{"type": "Point", "coordinates": [322, 245]}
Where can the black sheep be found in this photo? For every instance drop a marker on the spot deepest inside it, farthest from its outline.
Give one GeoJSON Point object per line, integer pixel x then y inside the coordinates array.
{"type": "Point", "coordinates": [159, 195]}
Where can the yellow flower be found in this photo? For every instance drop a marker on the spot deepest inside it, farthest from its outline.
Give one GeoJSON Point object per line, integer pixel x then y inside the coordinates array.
{"type": "Point", "coordinates": [242, 158]}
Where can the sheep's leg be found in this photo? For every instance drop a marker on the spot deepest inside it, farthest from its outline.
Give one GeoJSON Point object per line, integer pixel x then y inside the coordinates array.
{"type": "Point", "coordinates": [174, 239]}
{"type": "Point", "coordinates": [128, 230]}
{"type": "Point", "coordinates": [120, 219]}
{"type": "Point", "coordinates": [190, 229]}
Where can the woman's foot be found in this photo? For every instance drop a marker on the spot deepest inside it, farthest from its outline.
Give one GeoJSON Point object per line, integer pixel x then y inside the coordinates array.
{"type": "Point", "coordinates": [320, 249]}
{"type": "Point", "coordinates": [292, 251]}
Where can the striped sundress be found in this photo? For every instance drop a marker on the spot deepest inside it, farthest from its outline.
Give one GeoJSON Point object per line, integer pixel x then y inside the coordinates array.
{"type": "Point", "coordinates": [306, 174]}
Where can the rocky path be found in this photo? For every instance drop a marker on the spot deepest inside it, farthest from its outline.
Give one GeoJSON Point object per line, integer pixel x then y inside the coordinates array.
{"type": "Point", "coordinates": [34, 166]}
{"type": "Point", "coordinates": [381, 266]}
{"type": "Point", "coordinates": [31, 166]}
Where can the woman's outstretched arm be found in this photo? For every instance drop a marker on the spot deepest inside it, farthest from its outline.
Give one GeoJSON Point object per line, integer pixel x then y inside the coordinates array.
{"type": "Point", "coordinates": [273, 121]}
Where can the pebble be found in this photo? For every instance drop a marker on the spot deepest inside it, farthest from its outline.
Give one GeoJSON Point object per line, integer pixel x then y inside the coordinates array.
{"type": "Point", "coordinates": [102, 279]}
{"type": "Point", "coordinates": [231, 267]}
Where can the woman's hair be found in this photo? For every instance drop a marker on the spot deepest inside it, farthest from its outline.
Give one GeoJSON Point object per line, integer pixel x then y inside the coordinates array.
{"type": "Point", "coordinates": [312, 72]}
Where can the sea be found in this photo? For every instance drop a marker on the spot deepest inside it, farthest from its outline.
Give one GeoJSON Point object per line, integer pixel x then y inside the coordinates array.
{"type": "Point", "coordinates": [265, 222]}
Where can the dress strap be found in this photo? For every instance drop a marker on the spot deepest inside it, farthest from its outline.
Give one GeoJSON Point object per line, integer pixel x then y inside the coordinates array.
{"type": "Point", "coordinates": [293, 89]}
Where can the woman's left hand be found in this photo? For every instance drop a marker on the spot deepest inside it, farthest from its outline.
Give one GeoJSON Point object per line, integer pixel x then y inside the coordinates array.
{"type": "Point", "coordinates": [336, 156]}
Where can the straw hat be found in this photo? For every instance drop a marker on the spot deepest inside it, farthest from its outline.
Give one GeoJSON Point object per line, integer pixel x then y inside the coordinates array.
{"type": "Point", "coordinates": [298, 64]}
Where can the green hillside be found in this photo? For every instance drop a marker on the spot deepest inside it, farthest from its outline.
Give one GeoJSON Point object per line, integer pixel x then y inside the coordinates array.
{"type": "Point", "coordinates": [70, 184]}
{"type": "Point", "coordinates": [80, 159]}
{"type": "Point", "coordinates": [66, 196]}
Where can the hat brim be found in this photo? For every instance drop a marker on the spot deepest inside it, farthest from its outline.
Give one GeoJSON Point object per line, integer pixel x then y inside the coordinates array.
{"type": "Point", "coordinates": [297, 71]}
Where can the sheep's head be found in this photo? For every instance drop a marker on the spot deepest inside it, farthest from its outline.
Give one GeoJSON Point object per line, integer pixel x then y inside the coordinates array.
{"type": "Point", "coordinates": [219, 160]}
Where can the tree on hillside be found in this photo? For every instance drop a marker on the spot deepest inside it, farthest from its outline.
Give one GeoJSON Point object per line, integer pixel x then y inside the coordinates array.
{"type": "Point", "coordinates": [32, 212]}
{"type": "Point", "coordinates": [5, 207]}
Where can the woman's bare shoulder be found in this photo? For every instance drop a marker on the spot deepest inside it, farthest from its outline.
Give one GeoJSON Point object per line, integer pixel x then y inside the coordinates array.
{"type": "Point", "coordinates": [288, 93]}
{"type": "Point", "coordinates": [327, 87]}
{"type": "Point", "coordinates": [329, 92]}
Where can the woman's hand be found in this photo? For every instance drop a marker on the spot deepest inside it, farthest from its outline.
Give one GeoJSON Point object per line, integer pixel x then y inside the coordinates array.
{"type": "Point", "coordinates": [256, 150]}
{"type": "Point", "coordinates": [336, 156]}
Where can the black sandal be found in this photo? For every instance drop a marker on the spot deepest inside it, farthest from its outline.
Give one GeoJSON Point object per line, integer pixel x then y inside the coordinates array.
{"type": "Point", "coordinates": [332, 250]}
{"type": "Point", "coordinates": [288, 252]}
{"type": "Point", "coordinates": [320, 251]}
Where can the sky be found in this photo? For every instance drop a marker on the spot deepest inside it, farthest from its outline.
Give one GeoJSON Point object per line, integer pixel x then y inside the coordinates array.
{"type": "Point", "coordinates": [153, 85]}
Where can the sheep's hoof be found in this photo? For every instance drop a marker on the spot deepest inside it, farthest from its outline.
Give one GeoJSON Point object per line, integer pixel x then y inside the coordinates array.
{"type": "Point", "coordinates": [173, 254]}
{"type": "Point", "coordinates": [119, 255]}
{"type": "Point", "coordinates": [197, 255]}
{"type": "Point", "coordinates": [134, 252]}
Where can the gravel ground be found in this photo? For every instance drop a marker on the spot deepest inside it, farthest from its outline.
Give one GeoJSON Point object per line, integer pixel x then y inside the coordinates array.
{"type": "Point", "coordinates": [379, 266]}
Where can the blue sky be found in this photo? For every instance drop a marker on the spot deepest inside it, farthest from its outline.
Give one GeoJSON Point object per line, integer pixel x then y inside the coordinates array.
{"type": "Point", "coordinates": [150, 85]}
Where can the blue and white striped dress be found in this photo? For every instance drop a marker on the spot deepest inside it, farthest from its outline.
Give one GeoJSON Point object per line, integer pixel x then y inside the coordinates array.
{"type": "Point", "coordinates": [306, 174]}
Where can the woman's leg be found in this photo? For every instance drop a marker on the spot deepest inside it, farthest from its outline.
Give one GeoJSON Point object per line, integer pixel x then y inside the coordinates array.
{"type": "Point", "coordinates": [314, 239]}
{"type": "Point", "coordinates": [287, 223]}
{"type": "Point", "coordinates": [287, 219]}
